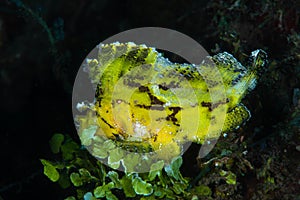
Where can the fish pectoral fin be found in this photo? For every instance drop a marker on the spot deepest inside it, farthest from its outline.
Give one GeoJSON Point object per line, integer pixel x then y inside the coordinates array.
{"type": "Point", "coordinates": [236, 117]}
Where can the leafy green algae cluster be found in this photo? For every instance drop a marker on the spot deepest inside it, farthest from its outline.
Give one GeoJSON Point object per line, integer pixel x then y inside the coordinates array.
{"type": "Point", "coordinates": [90, 179]}
{"type": "Point", "coordinates": [85, 177]}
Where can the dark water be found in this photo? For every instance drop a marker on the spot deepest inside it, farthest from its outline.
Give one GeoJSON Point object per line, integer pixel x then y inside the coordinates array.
{"type": "Point", "coordinates": [37, 74]}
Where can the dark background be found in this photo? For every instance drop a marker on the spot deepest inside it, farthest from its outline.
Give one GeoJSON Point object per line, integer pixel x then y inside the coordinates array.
{"type": "Point", "coordinates": [36, 74]}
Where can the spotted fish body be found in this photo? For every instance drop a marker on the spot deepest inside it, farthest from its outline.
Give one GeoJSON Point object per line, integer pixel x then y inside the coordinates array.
{"type": "Point", "coordinates": [144, 102]}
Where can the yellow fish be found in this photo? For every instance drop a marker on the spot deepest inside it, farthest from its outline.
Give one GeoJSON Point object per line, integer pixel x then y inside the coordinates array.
{"type": "Point", "coordinates": [144, 102]}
